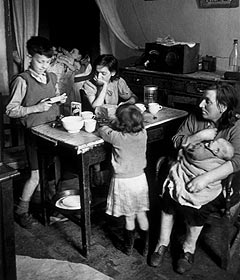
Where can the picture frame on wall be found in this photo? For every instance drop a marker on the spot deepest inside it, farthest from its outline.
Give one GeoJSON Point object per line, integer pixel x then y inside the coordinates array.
{"type": "Point", "coordinates": [218, 3]}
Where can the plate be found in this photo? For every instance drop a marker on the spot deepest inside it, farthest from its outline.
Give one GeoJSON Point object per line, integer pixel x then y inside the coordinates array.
{"type": "Point", "coordinates": [72, 201]}
{"type": "Point", "coordinates": [59, 204]}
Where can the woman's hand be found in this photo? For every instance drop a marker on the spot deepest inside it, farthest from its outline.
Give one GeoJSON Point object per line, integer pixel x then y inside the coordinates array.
{"type": "Point", "coordinates": [197, 184]}
{"type": "Point", "coordinates": [207, 134]}
{"type": "Point", "coordinates": [101, 82]}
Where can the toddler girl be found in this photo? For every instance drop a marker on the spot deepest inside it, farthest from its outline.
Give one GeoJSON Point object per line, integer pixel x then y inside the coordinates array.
{"type": "Point", "coordinates": [128, 192]}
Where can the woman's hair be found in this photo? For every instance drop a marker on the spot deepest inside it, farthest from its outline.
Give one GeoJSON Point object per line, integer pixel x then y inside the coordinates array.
{"type": "Point", "coordinates": [40, 45]}
{"type": "Point", "coordinates": [109, 61]}
{"type": "Point", "coordinates": [226, 95]}
{"type": "Point", "coordinates": [129, 119]}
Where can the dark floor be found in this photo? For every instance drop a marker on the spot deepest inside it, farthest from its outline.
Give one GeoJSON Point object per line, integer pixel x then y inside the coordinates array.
{"type": "Point", "coordinates": [61, 241]}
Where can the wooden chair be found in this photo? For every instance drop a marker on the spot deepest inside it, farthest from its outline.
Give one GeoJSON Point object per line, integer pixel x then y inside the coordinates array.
{"type": "Point", "coordinates": [225, 220]}
{"type": "Point", "coordinates": [11, 138]}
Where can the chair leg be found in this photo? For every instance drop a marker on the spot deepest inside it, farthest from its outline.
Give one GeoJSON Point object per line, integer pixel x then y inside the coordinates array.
{"type": "Point", "coordinates": [225, 247]}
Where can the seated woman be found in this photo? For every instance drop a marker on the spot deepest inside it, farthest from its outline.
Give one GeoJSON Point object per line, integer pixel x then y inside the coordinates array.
{"type": "Point", "coordinates": [217, 111]}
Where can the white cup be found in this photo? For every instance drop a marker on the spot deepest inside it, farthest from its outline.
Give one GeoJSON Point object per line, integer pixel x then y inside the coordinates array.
{"type": "Point", "coordinates": [141, 107]}
{"type": "Point", "coordinates": [90, 125]}
{"type": "Point", "coordinates": [154, 107]}
{"type": "Point", "coordinates": [87, 115]}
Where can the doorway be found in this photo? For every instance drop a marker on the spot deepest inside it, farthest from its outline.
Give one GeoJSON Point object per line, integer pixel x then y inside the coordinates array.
{"type": "Point", "coordinates": [71, 24]}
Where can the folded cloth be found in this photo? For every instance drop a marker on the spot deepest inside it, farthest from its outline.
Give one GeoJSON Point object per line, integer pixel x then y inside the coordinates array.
{"type": "Point", "coordinates": [57, 217]}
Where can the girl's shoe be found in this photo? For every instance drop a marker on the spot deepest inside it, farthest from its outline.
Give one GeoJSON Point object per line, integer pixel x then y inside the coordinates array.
{"type": "Point", "coordinates": [129, 241]}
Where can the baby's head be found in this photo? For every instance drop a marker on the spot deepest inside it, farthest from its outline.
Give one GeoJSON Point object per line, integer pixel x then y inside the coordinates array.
{"type": "Point", "coordinates": [222, 148]}
{"type": "Point", "coordinates": [128, 119]}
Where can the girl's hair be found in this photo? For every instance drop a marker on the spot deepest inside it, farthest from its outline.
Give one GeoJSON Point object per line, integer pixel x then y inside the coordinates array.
{"type": "Point", "coordinates": [109, 61]}
{"type": "Point", "coordinates": [226, 95]}
{"type": "Point", "coordinates": [129, 119]}
{"type": "Point", "coordinates": [40, 45]}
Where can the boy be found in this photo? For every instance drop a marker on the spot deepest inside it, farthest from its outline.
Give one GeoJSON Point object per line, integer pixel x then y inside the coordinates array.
{"type": "Point", "coordinates": [30, 94]}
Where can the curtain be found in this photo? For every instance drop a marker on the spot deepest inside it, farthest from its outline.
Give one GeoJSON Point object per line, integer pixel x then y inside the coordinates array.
{"type": "Point", "coordinates": [109, 12]}
{"type": "Point", "coordinates": [25, 24]}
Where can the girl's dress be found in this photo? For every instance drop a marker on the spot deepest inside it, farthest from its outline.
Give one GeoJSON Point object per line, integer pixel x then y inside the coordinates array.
{"type": "Point", "coordinates": [128, 192]}
{"type": "Point", "coordinates": [127, 196]}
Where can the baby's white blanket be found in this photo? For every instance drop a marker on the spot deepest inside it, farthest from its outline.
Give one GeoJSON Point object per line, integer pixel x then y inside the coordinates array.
{"type": "Point", "coordinates": [183, 171]}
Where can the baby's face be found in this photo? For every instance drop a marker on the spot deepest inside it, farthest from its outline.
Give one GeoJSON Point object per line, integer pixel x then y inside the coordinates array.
{"type": "Point", "coordinates": [218, 148]}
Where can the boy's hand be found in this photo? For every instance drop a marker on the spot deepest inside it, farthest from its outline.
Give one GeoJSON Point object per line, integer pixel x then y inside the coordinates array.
{"type": "Point", "coordinates": [44, 105]}
{"type": "Point", "coordinates": [63, 98]}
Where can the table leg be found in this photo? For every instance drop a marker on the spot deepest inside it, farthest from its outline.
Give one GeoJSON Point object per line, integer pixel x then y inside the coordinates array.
{"type": "Point", "coordinates": [84, 188]}
{"type": "Point", "coordinates": [43, 186]}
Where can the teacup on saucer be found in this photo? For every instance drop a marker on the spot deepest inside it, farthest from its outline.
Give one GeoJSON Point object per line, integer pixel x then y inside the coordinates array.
{"type": "Point", "coordinates": [154, 107]}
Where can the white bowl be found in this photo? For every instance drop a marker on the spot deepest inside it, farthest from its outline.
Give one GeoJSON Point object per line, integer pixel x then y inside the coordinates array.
{"type": "Point", "coordinates": [72, 124]}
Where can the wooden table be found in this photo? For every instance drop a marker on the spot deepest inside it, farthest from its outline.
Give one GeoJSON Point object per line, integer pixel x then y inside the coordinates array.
{"type": "Point", "coordinates": [89, 149]}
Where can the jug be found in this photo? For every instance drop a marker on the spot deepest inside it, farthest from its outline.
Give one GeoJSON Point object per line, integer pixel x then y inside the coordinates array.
{"type": "Point", "coordinates": [150, 94]}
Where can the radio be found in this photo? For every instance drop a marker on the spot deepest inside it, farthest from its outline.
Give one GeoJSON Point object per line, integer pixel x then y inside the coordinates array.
{"type": "Point", "coordinates": [179, 58]}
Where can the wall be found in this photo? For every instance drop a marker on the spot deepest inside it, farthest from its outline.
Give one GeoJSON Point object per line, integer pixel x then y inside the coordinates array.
{"type": "Point", "coordinates": [145, 21]}
{"type": "Point", "coordinates": [3, 59]}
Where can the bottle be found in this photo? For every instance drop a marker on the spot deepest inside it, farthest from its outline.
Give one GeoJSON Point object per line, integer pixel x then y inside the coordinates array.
{"type": "Point", "coordinates": [233, 58]}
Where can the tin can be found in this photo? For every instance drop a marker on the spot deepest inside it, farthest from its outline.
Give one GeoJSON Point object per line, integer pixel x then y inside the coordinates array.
{"type": "Point", "coordinates": [150, 94]}
{"type": "Point", "coordinates": [76, 108]}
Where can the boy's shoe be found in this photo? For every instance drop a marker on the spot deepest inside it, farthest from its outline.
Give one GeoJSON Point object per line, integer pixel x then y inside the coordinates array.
{"type": "Point", "coordinates": [185, 263]}
{"type": "Point", "coordinates": [157, 257]}
{"type": "Point", "coordinates": [25, 220]}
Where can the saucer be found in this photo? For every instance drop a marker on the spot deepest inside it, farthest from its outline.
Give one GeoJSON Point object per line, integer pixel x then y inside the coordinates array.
{"type": "Point", "coordinates": [71, 202]}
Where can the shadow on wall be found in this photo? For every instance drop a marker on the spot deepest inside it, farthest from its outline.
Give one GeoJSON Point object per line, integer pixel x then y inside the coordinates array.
{"type": "Point", "coordinates": [130, 61]}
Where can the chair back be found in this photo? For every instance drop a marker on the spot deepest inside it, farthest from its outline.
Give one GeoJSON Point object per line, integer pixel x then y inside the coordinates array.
{"type": "Point", "coordinates": [1, 129]}
{"type": "Point", "coordinates": [12, 149]}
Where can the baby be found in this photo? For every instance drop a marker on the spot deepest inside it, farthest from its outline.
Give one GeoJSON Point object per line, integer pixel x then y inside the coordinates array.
{"type": "Point", "coordinates": [193, 160]}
